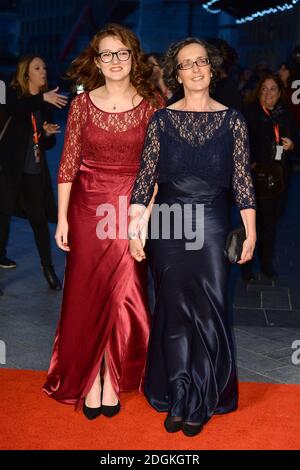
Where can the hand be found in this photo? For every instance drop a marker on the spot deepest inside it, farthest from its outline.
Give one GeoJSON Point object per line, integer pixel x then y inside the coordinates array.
{"type": "Point", "coordinates": [55, 98]}
{"type": "Point", "coordinates": [287, 143]}
{"type": "Point", "coordinates": [61, 235]}
{"type": "Point", "coordinates": [143, 229]}
{"type": "Point", "coordinates": [136, 249]}
{"type": "Point", "coordinates": [50, 129]}
{"type": "Point", "coordinates": [248, 250]}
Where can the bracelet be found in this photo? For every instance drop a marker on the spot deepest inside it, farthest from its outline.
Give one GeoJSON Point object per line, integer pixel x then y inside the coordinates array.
{"type": "Point", "coordinates": [133, 235]}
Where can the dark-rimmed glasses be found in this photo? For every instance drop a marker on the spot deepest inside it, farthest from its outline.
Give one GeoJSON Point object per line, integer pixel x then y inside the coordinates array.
{"type": "Point", "coordinates": [107, 56]}
{"type": "Point", "coordinates": [188, 64]}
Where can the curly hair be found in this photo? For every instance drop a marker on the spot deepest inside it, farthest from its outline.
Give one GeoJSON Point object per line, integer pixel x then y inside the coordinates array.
{"type": "Point", "coordinates": [20, 77]}
{"type": "Point", "coordinates": [83, 70]}
{"type": "Point", "coordinates": [170, 62]}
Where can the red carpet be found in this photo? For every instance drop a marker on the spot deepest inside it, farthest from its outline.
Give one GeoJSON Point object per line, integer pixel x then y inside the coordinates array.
{"type": "Point", "coordinates": [268, 418]}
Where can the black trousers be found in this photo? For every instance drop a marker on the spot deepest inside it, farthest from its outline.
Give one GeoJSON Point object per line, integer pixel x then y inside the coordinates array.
{"type": "Point", "coordinates": [4, 234]}
{"type": "Point", "coordinates": [34, 200]}
{"type": "Point", "coordinates": [268, 212]}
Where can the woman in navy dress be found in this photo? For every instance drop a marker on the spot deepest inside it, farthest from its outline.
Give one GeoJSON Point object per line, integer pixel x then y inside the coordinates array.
{"type": "Point", "coordinates": [196, 150]}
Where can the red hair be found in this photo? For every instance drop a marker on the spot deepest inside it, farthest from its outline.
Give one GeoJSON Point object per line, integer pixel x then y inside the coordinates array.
{"type": "Point", "coordinates": [83, 70]}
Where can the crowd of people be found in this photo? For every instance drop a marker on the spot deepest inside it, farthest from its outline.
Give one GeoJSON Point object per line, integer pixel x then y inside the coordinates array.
{"type": "Point", "coordinates": [151, 132]}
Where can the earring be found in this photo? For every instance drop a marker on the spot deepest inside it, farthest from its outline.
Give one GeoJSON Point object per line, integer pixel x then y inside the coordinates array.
{"type": "Point", "coordinates": [100, 71]}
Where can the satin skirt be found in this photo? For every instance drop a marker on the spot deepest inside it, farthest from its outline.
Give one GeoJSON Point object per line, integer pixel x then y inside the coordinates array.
{"type": "Point", "coordinates": [191, 370]}
{"type": "Point", "coordinates": [104, 308]}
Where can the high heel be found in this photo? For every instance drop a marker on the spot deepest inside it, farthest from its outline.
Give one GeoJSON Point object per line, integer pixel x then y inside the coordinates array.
{"type": "Point", "coordinates": [191, 430]}
{"type": "Point", "coordinates": [110, 411]}
{"type": "Point", "coordinates": [91, 413]}
{"type": "Point", "coordinates": [173, 425]}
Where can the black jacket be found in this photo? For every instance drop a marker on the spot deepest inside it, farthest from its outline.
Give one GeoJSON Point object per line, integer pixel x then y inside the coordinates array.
{"type": "Point", "coordinates": [261, 131]}
{"type": "Point", "coordinates": [13, 149]}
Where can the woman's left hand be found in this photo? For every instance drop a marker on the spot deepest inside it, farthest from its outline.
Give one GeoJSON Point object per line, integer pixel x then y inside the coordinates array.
{"type": "Point", "coordinates": [136, 249]}
{"type": "Point", "coordinates": [51, 129]}
{"type": "Point", "coordinates": [248, 250]}
{"type": "Point", "coordinates": [287, 143]}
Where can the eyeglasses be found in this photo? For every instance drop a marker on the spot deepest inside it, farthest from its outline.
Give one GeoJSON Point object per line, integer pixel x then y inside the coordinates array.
{"type": "Point", "coordinates": [188, 64]}
{"type": "Point", "coordinates": [107, 56]}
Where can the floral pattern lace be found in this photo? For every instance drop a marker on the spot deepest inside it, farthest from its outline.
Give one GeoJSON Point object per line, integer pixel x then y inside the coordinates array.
{"type": "Point", "coordinates": [211, 145]}
{"type": "Point", "coordinates": [102, 137]}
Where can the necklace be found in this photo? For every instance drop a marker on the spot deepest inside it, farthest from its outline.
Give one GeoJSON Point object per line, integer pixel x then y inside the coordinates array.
{"type": "Point", "coordinates": [114, 105]}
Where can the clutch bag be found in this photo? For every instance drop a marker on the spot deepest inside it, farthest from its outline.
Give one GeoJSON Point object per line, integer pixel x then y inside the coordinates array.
{"type": "Point", "coordinates": [234, 244]}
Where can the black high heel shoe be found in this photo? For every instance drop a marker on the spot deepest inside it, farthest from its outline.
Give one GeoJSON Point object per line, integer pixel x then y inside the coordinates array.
{"type": "Point", "coordinates": [110, 411]}
{"type": "Point", "coordinates": [191, 430]}
{"type": "Point", "coordinates": [173, 425]}
{"type": "Point", "coordinates": [91, 413]}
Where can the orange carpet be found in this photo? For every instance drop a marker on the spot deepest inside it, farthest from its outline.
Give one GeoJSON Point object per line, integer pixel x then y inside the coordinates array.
{"type": "Point", "coordinates": [268, 418]}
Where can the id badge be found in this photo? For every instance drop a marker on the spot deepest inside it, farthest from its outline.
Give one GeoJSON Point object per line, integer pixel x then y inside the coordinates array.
{"type": "Point", "coordinates": [279, 150]}
{"type": "Point", "coordinates": [37, 154]}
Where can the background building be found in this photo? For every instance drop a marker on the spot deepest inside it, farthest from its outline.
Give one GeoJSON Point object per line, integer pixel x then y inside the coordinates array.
{"type": "Point", "coordinates": [60, 29]}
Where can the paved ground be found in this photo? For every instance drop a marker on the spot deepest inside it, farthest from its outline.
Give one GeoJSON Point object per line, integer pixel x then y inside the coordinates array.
{"type": "Point", "coordinates": [266, 314]}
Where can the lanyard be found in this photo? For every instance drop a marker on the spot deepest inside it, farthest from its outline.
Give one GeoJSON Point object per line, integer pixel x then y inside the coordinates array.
{"type": "Point", "coordinates": [275, 126]}
{"type": "Point", "coordinates": [36, 136]}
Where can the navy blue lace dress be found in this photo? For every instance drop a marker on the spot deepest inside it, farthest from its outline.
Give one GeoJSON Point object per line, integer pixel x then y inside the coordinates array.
{"type": "Point", "coordinates": [196, 158]}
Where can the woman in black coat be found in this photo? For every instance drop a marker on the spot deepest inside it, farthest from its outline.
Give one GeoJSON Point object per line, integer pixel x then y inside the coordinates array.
{"type": "Point", "coordinates": [273, 137]}
{"type": "Point", "coordinates": [25, 184]}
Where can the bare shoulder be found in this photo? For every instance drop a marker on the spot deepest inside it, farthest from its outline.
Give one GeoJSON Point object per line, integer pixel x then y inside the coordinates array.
{"type": "Point", "coordinates": [177, 105]}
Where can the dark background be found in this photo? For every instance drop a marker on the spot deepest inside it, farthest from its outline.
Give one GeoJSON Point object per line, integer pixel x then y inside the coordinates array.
{"type": "Point", "coordinates": [59, 29]}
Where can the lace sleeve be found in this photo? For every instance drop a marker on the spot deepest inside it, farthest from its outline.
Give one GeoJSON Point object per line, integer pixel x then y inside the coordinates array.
{"type": "Point", "coordinates": [147, 175]}
{"type": "Point", "coordinates": [241, 177]}
{"type": "Point", "coordinates": [71, 155]}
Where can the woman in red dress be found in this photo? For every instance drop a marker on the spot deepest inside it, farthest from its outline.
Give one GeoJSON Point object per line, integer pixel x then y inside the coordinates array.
{"type": "Point", "coordinates": [104, 324]}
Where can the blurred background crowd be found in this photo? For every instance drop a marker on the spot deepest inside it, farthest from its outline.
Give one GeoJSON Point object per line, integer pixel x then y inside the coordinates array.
{"type": "Point", "coordinates": [258, 40]}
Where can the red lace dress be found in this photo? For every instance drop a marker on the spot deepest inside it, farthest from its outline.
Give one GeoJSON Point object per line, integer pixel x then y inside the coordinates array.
{"type": "Point", "coordinates": [104, 306]}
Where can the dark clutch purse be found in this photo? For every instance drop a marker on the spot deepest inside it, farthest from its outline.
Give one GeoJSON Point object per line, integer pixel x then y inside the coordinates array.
{"type": "Point", "coordinates": [234, 244]}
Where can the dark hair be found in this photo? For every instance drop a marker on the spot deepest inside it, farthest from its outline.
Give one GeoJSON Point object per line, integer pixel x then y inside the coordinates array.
{"type": "Point", "coordinates": [155, 55]}
{"type": "Point", "coordinates": [228, 53]}
{"type": "Point", "coordinates": [269, 76]}
{"type": "Point", "coordinates": [83, 70]}
{"type": "Point", "coordinates": [170, 62]}
{"type": "Point", "coordinates": [293, 71]}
